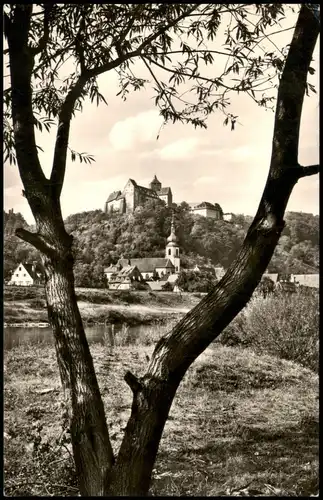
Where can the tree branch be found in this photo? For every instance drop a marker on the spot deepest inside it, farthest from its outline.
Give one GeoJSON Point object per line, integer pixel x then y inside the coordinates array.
{"type": "Point", "coordinates": [48, 8]}
{"type": "Point", "coordinates": [62, 136]}
{"type": "Point", "coordinates": [37, 240]}
{"type": "Point", "coordinates": [292, 90]}
{"type": "Point", "coordinates": [124, 57]}
{"type": "Point", "coordinates": [133, 382]}
{"type": "Point", "coordinates": [310, 170]}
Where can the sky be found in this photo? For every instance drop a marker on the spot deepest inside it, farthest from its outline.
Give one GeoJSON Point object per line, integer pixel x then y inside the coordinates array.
{"type": "Point", "coordinates": [216, 165]}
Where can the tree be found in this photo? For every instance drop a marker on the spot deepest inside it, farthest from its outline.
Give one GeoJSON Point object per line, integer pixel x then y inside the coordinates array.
{"type": "Point", "coordinates": [110, 37]}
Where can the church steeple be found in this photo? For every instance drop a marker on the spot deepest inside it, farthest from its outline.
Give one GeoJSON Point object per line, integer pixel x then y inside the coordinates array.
{"type": "Point", "coordinates": [172, 247]}
{"type": "Point", "coordinates": [155, 185]}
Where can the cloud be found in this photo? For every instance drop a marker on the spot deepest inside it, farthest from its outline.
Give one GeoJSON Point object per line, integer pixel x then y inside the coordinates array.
{"type": "Point", "coordinates": [182, 149]}
{"type": "Point", "coordinates": [142, 128]}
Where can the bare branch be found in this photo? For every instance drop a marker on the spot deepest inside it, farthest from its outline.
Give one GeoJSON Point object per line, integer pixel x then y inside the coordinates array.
{"type": "Point", "coordinates": [62, 136]}
{"type": "Point", "coordinates": [37, 240]}
{"type": "Point", "coordinates": [159, 86]}
{"type": "Point", "coordinates": [310, 170]}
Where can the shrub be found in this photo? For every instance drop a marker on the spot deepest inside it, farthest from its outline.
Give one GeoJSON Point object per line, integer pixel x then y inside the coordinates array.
{"type": "Point", "coordinates": [286, 326]}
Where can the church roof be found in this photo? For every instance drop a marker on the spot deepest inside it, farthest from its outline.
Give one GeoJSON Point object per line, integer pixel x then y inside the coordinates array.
{"type": "Point", "coordinates": [147, 264]}
{"type": "Point", "coordinates": [164, 190]}
{"type": "Point", "coordinates": [147, 191]}
{"type": "Point", "coordinates": [113, 196]}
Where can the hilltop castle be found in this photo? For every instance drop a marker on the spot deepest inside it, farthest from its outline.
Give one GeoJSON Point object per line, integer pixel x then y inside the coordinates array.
{"type": "Point", "coordinates": [134, 195]}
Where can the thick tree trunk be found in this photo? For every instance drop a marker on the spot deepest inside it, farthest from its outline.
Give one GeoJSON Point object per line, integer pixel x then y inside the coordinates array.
{"type": "Point", "coordinates": [154, 392]}
{"type": "Point", "coordinates": [90, 439]}
{"type": "Point", "coordinates": [91, 446]}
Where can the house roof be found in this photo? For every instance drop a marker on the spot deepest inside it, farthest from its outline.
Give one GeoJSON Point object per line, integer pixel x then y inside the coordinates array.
{"type": "Point", "coordinates": [207, 204]}
{"type": "Point", "coordinates": [148, 264]}
{"type": "Point", "coordinates": [147, 191]}
{"type": "Point", "coordinates": [113, 196]}
{"type": "Point", "coordinates": [36, 274]}
{"type": "Point", "coordinates": [311, 280]}
{"type": "Point", "coordinates": [113, 268]}
{"type": "Point", "coordinates": [272, 276]}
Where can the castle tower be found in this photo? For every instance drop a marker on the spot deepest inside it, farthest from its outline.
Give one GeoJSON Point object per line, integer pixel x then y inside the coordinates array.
{"type": "Point", "coordinates": [172, 248]}
{"type": "Point", "coordinates": [155, 185]}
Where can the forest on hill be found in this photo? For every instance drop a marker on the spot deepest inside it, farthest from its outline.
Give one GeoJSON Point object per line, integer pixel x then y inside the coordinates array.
{"type": "Point", "coordinates": [101, 239]}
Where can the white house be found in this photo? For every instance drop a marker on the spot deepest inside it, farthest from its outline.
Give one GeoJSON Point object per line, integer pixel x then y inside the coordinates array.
{"type": "Point", "coordinates": [26, 275]}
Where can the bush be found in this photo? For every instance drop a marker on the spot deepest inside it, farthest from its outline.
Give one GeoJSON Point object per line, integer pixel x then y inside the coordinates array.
{"type": "Point", "coordinates": [286, 326]}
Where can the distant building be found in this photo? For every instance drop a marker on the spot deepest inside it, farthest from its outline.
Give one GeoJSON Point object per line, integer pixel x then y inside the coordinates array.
{"type": "Point", "coordinates": [310, 280]}
{"type": "Point", "coordinates": [125, 279]}
{"type": "Point", "coordinates": [228, 216]}
{"type": "Point", "coordinates": [26, 275]}
{"type": "Point", "coordinates": [207, 209]}
{"type": "Point", "coordinates": [149, 267]}
{"type": "Point", "coordinates": [134, 195]}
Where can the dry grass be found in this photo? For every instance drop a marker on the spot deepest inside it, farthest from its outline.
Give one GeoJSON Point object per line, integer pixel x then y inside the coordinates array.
{"type": "Point", "coordinates": [27, 304]}
{"type": "Point", "coordinates": [238, 422]}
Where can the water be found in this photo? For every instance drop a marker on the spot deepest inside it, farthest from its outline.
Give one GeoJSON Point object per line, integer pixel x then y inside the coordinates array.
{"type": "Point", "coordinates": [15, 336]}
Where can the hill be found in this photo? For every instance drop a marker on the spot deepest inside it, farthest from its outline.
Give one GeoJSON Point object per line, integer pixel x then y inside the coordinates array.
{"type": "Point", "coordinates": [101, 239]}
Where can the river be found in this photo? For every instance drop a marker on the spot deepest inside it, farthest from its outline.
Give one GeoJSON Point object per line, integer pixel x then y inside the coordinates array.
{"type": "Point", "coordinates": [15, 336]}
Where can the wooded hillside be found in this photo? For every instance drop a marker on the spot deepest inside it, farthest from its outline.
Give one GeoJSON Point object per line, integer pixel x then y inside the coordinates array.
{"type": "Point", "coordinates": [101, 239]}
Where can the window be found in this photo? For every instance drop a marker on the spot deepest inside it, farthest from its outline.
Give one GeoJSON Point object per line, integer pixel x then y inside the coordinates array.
{"type": "Point", "coordinates": [17, 275]}
{"type": "Point", "coordinates": [19, 268]}
{"type": "Point", "coordinates": [177, 251]}
{"type": "Point", "coordinates": [24, 276]}
{"type": "Point", "coordinates": [169, 251]}
{"type": "Point", "coordinates": [176, 269]}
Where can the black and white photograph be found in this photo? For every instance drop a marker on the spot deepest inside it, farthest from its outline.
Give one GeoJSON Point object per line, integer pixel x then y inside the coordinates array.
{"type": "Point", "coordinates": [161, 249]}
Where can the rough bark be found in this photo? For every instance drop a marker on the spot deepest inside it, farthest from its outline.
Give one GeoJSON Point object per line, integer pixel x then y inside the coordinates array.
{"type": "Point", "coordinates": [90, 439]}
{"type": "Point", "coordinates": [154, 392]}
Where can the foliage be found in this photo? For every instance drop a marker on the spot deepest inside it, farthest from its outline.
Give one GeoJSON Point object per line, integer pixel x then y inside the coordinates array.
{"type": "Point", "coordinates": [265, 287]}
{"type": "Point", "coordinates": [174, 43]}
{"type": "Point", "coordinates": [191, 281]}
{"type": "Point", "coordinates": [101, 239]}
{"type": "Point", "coordinates": [283, 325]}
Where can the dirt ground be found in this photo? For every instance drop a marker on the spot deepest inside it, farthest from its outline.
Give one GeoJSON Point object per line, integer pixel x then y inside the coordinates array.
{"type": "Point", "coordinates": [240, 424]}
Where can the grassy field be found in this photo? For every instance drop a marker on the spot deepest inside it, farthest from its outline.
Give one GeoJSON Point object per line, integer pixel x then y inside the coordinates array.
{"type": "Point", "coordinates": [27, 304]}
{"type": "Point", "coordinates": [241, 423]}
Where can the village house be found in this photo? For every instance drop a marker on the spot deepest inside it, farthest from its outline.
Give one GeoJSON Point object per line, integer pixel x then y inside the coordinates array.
{"type": "Point", "coordinates": [134, 195]}
{"type": "Point", "coordinates": [26, 275]}
{"type": "Point", "coordinates": [150, 268]}
{"type": "Point", "coordinates": [126, 278]}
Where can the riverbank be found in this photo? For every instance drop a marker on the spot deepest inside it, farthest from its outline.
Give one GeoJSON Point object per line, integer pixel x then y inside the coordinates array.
{"type": "Point", "coordinates": [24, 305]}
{"type": "Point", "coordinates": [240, 424]}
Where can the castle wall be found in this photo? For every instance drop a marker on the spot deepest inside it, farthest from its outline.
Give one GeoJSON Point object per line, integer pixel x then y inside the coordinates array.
{"type": "Point", "coordinates": [114, 206]}
{"type": "Point", "coordinates": [129, 195]}
{"type": "Point", "coordinates": [165, 198]}
{"type": "Point", "coordinates": [206, 212]}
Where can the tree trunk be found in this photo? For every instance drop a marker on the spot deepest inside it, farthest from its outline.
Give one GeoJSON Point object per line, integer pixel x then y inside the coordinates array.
{"type": "Point", "coordinates": [154, 392]}
{"type": "Point", "coordinates": [90, 440]}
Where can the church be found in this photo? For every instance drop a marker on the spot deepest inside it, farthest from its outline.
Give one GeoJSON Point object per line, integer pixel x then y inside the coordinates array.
{"type": "Point", "coordinates": [119, 275]}
{"type": "Point", "coordinates": [134, 195]}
